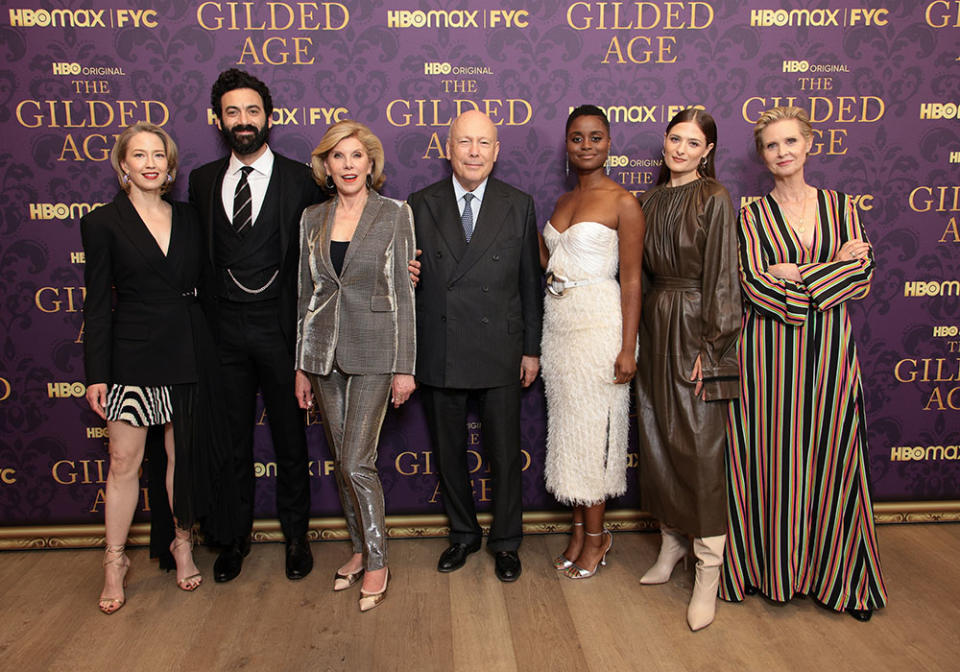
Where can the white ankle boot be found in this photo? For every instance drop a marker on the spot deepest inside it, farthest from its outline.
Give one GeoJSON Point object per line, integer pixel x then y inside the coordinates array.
{"type": "Point", "coordinates": [703, 602]}
{"type": "Point", "coordinates": [673, 546]}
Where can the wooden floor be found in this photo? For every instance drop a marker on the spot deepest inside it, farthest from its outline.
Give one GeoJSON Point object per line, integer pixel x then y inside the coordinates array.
{"type": "Point", "coordinates": [467, 620]}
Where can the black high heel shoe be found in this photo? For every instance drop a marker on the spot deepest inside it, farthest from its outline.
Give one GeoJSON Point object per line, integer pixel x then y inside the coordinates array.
{"type": "Point", "coordinates": [862, 615]}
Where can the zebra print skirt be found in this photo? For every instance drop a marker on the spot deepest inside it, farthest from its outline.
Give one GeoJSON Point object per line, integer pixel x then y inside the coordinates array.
{"type": "Point", "coordinates": [139, 406]}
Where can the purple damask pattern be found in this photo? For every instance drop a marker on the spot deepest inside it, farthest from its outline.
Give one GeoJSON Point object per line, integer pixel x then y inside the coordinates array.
{"type": "Point", "coordinates": [880, 81]}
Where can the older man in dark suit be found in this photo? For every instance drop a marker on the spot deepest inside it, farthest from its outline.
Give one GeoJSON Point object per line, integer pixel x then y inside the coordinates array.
{"type": "Point", "coordinates": [250, 203]}
{"type": "Point", "coordinates": [479, 306]}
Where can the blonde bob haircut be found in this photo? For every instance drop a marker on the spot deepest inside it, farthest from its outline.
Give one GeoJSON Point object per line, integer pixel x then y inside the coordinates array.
{"type": "Point", "coordinates": [119, 152]}
{"type": "Point", "coordinates": [340, 131]}
{"type": "Point", "coordinates": [775, 114]}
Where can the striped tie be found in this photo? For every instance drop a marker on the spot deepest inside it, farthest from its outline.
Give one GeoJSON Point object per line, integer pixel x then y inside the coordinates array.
{"type": "Point", "coordinates": [466, 219]}
{"type": "Point", "coordinates": [243, 202]}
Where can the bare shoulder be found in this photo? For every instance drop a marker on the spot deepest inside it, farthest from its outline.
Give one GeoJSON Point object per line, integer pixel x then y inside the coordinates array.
{"type": "Point", "coordinates": [564, 207]}
{"type": "Point", "coordinates": [566, 200]}
{"type": "Point", "coordinates": [627, 204]}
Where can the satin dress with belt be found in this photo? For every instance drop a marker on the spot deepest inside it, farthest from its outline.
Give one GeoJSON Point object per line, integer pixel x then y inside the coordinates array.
{"type": "Point", "coordinates": [691, 308]}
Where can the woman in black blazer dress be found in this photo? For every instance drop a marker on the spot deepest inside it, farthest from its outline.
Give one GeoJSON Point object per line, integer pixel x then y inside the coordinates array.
{"type": "Point", "coordinates": [142, 357]}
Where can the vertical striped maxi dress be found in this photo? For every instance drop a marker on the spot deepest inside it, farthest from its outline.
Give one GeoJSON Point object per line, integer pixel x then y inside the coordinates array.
{"type": "Point", "coordinates": [800, 518]}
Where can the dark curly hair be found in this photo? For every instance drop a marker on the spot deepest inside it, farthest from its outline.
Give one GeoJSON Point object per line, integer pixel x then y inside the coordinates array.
{"type": "Point", "coordinates": [238, 79]}
{"type": "Point", "coordinates": [587, 111]}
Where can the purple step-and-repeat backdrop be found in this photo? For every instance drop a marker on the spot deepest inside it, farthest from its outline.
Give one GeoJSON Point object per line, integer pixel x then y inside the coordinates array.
{"type": "Point", "coordinates": [881, 81]}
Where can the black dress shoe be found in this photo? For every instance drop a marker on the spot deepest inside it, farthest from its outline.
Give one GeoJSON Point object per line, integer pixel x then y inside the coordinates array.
{"type": "Point", "coordinates": [453, 558]}
{"type": "Point", "coordinates": [862, 615]}
{"type": "Point", "coordinates": [299, 558]}
{"type": "Point", "coordinates": [508, 566]}
{"type": "Point", "coordinates": [230, 561]}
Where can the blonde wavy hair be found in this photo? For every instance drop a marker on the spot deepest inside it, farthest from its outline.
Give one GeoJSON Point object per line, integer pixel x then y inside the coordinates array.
{"type": "Point", "coordinates": [340, 131]}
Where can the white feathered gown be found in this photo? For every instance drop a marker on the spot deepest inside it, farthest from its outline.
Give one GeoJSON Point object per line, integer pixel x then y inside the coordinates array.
{"type": "Point", "coordinates": [587, 413]}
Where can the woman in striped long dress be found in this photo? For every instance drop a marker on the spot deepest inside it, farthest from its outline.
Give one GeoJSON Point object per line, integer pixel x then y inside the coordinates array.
{"type": "Point", "coordinates": [800, 519]}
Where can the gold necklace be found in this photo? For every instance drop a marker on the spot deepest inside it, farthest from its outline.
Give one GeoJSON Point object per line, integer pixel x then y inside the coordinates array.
{"type": "Point", "coordinates": [801, 226]}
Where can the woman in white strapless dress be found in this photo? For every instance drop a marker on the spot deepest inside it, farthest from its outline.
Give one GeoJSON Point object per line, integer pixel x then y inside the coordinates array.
{"type": "Point", "coordinates": [588, 354]}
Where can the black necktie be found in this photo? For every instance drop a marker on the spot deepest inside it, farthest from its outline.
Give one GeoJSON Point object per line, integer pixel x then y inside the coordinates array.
{"type": "Point", "coordinates": [243, 202]}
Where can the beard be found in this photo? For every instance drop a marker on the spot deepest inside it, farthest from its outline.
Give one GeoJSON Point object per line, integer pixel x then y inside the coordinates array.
{"type": "Point", "coordinates": [244, 146]}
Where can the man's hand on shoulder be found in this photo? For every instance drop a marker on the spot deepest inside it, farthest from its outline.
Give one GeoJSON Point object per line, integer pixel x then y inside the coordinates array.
{"type": "Point", "coordinates": [413, 267]}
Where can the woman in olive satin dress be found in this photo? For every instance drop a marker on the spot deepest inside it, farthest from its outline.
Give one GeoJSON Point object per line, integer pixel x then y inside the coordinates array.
{"type": "Point", "coordinates": [688, 345]}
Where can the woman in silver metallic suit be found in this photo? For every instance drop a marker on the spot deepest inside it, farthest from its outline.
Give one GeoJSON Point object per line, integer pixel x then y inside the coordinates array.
{"type": "Point", "coordinates": [356, 335]}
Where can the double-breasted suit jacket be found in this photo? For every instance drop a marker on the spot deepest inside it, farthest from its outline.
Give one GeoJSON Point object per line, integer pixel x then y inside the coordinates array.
{"type": "Point", "coordinates": [362, 320]}
{"type": "Point", "coordinates": [148, 340]}
{"type": "Point", "coordinates": [478, 312]}
{"type": "Point", "coordinates": [479, 306]}
{"type": "Point", "coordinates": [291, 189]}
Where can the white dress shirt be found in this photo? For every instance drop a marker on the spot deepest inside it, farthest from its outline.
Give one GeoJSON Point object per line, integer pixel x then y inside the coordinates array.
{"type": "Point", "coordinates": [258, 179]}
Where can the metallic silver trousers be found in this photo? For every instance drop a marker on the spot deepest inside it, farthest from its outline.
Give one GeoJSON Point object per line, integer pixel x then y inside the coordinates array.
{"type": "Point", "coordinates": [353, 407]}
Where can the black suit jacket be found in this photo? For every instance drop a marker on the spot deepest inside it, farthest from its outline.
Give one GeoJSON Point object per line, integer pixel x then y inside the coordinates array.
{"type": "Point", "coordinates": [148, 339]}
{"type": "Point", "coordinates": [291, 189]}
{"type": "Point", "coordinates": [479, 305]}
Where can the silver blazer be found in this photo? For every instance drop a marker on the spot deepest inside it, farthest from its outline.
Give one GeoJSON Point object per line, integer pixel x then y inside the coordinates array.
{"type": "Point", "coordinates": [362, 321]}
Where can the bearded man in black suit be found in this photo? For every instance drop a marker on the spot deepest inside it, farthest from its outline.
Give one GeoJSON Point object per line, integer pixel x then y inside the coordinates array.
{"type": "Point", "coordinates": [479, 306]}
{"type": "Point", "coordinates": [250, 204]}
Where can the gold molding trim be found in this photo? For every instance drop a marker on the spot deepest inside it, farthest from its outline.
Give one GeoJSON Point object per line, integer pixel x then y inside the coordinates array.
{"type": "Point", "coordinates": [917, 512]}
{"type": "Point", "coordinates": [433, 525]}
